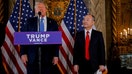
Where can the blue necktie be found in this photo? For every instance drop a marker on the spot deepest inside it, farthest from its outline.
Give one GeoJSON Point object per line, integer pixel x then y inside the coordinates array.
{"type": "Point", "coordinates": [41, 28]}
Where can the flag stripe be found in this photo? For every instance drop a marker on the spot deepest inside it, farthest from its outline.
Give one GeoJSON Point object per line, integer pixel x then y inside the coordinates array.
{"type": "Point", "coordinates": [67, 46]}
{"type": "Point", "coordinates": [68, 62]}
{"type": "Point", "coordinates": [10, 32]}
{"type": "Point", "coordinates": [10, 40]}
{"type": "Point", "coordinates": [67, 33]}
{"type": "Point", "coordinates": [63, 61]}
{"type": "Point", "coordinates": [6, 67]}
{"type": "Point", "coordinates": [11, 54]}
{"type": "Point", "coordinates": [61, 67]}
{"type": "Point", "coordinates": [64, 47]}
{"type": "Point", "coordinates": [64, 36]}
{"type": "Point", "coordinates": [65, 56]}
{"type": "Point", "coordinates": [9, 59]}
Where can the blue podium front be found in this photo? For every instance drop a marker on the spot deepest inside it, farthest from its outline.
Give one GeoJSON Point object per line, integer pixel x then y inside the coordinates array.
{"type": "Point", "coordinates": [32, 38]}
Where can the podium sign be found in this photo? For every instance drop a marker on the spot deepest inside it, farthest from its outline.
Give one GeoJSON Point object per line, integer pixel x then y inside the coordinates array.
{"type": "Point", "coordinates": [31, 38]}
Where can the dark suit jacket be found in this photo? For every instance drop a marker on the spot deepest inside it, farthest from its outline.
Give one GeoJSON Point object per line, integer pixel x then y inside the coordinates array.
{"type": "Point", "coordinates": [96, 48]}
{"type": "Point", "coordinates": [48, 51]}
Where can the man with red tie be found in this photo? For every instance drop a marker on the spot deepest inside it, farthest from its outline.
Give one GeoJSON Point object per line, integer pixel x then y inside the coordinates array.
{"type": "Point", "coordinates": [89, 49]}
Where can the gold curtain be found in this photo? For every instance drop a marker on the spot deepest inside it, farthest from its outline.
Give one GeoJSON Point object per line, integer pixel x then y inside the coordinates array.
{"type": "Point", "coordinates": [1, 10]}
{"type": "Point", "coordinates": [6, 7]}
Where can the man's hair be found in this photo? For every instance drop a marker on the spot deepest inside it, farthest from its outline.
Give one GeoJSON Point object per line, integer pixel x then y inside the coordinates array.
{"type": "Point", "coordinates": [92, 16]}
{"type": "Point", "coordinates": [45, 4]}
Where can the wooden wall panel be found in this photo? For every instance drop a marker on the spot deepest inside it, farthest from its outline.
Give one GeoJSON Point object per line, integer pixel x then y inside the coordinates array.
{"type": "Point", "coordinates": [97, 8]}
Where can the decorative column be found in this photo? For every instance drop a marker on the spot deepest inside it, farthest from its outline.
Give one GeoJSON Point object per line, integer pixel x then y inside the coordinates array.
{"type": "Point", "coordinates": [116, 23]}
{"type": "Point", "coordinates": [116, 20]}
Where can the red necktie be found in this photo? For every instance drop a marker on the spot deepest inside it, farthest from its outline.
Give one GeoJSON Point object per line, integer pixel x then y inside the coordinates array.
{"type": "Point", "coordinates": [87, 46]}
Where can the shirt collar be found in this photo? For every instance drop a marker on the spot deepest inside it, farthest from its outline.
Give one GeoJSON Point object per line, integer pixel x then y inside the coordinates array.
{"type": "Point", "coordinates": [43, 17]}
{"type": "Point", "coordinates": [89, 31]}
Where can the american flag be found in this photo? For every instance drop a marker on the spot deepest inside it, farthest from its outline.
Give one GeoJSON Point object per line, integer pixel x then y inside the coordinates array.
{"type": "Point", "coordinates": [10, 52]}
{"type": "Point", "coordinates": [68, 28]}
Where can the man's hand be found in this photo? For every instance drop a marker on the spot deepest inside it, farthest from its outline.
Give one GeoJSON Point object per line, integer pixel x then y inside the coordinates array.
{"type": "Point", "coordinates": [55, 60]}
{"type": "Point", "coordinates": [102, 68]}
{"type": "Point", "coordinates": [24, 59]}
{"type": "Point", "coordinates": [76, 68]}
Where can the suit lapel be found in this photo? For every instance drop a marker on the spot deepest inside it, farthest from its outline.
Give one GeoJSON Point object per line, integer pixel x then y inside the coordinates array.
{"type": "Point", "coordinates": [82, 36]}
{"type": "Point", "coordinates": [48, 24]}
{"type": "Point", "coordinates": [93, 38]}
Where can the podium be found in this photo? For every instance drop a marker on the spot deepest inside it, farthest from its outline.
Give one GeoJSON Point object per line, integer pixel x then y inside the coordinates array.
{"type": "Point", "coordinates": [38, 38]}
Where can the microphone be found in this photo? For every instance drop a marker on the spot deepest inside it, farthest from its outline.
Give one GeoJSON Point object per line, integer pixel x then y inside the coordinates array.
{"type": "Point", "coordinates": [39, 13]}
{"type": "Point", "coordinates": [39, 49]}
{"type": "Point", "coordinates": [38, 23]}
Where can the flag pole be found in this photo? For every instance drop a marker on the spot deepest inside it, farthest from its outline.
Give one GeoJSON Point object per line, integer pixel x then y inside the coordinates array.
{"type": "Point", "coordinates": [75, 24]}
{"type": "Point", "coordinates": [19, 20]}
{"type": "Point", "coordinates": [34, 6]}
{"type": "Point", "coordinates": [60, 69]}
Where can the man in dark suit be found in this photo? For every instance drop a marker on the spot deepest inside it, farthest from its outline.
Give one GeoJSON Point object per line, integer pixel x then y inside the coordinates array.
{"type": "Point", "coordinates": [49, 53]}
{"type": "Point", "coordinates": [2, 38]}
{"type": "Point", "coordinates": [95, 49]}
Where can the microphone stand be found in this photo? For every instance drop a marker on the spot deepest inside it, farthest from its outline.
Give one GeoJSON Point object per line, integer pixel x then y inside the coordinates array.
{"type": "Point", "coordinates": [39, 48]}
